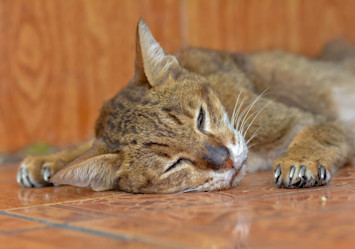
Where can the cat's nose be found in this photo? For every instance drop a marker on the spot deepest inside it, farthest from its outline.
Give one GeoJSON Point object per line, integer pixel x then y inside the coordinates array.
{"type": "Point", "coordinates": [217, 157]}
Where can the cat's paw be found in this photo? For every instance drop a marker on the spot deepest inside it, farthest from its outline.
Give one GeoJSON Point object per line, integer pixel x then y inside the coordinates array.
{"type": "Point", "coordinates": [293, 173]}
{"type": "Point", "coordinates": [35, 171]}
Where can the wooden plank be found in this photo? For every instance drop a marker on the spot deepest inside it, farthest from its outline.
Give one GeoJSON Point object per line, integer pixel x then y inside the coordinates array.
{"type": "Point", "coordinates": [250, 25]}
{"type": "Point", "coordinates": [61, 59]}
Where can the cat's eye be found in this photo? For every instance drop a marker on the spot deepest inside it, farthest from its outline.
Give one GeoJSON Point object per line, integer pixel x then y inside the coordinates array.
{"type": "Point", "coordinates": [200, 119]}
{"type": "Point", "coordinates": [180, 160]}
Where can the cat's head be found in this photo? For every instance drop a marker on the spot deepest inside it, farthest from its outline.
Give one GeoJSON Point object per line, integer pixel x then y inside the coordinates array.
{"type": "Point", "coordinates": [166, 132]}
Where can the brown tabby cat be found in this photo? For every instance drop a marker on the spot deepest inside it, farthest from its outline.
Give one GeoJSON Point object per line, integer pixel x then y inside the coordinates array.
{"type": "Point", "coordinates": [185, 123]}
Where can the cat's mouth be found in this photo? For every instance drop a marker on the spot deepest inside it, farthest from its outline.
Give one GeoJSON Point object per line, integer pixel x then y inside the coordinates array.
{"type": "Point", "coordinates": [237, 172]}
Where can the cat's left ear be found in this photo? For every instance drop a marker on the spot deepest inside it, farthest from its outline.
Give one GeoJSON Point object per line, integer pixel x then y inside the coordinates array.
{"type": "Point", "coordinates": [152, 62]}
{"type": "Point", "coordinates": [95, 169]}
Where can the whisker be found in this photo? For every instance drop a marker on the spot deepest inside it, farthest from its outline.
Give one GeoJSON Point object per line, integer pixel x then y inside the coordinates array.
{"type": "Point", "coordinates": [235, 107]}
{"type": "Point", "coordinates": [253, 136]}
{"type": "Point", "coordinates": [248, 108]}
{"type": "Point", "coordinates": [252, 145]}
{"type": "Point", "coordinates": [250, 116]}
{"type": "Point", "coordinates": [186, 190]}
{"type": "Point", "coordinates": [251, 106]}
{"type": "Point", "coordinates": [256, 117]}
{"type": "Point", "coordinates": [238, 116]}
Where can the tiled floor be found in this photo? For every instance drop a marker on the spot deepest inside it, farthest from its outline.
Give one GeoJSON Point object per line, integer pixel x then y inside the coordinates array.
{"type": "Point", "coordinates": [254, 215]}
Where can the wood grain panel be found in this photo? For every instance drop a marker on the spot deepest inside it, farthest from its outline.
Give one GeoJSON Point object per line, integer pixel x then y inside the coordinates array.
{"type": "Point", "coordinates": [61, 59]}
{"type": "Point", "coordinates": [300, 26]}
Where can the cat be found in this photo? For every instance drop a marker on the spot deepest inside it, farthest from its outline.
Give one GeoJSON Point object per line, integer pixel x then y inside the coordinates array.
{"type": "Point", "coordinates": [192, 122]}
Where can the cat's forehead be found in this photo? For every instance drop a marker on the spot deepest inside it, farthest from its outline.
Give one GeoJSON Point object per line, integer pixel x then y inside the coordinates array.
{"type": "Point", "coordinates": [187, 88]}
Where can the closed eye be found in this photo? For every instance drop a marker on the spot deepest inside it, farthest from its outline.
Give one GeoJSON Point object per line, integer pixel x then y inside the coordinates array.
{"type": "Point", "coordinates": [180, 160]}
{"type": "Point", "coordinates": [200, 120]}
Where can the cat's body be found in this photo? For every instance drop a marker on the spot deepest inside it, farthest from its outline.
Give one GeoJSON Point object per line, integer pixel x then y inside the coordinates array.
{"type": "Point", "coordinates": [184, 123]}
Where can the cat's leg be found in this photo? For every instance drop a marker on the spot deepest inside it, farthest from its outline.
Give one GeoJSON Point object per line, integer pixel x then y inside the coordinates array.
{"type": "Point", "coordinates": [305, 149]}
{"type": "Point", "coordinates": [35, 171]}
{"type": "Point", "coordinates": [314, 155]}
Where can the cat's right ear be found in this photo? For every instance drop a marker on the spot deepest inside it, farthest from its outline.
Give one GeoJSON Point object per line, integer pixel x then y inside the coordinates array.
{"type": "Point", "coordinates": [152, 63]}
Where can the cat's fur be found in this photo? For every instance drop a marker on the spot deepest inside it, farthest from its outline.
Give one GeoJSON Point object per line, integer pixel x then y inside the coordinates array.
{"type": "Point", "coordinates": [184, 123]}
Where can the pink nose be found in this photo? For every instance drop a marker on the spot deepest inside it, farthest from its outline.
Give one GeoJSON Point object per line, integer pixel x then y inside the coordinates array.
{"type": "Point", "coordinates": [228, 164]}
{"type": "Point", "coordinates": [216, 157]}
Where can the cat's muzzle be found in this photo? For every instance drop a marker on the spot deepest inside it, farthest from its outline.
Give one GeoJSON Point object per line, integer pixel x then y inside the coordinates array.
{"type": "Point", "coordinates": [218, 157]}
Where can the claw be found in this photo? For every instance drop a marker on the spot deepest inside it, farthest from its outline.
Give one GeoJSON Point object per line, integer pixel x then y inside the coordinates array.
{"type": "Point", "coordinates": [301, 175]}
{"type": "Point", "coordinates": [300, 184]}
{"type": "Point", "coordinates": [277, 173]}
{"type": "Point", "coordinates": [322, 175]}
{"type": "Point", "coordinates": [292, 172]}
{"type": "Point", "coordinates": [321, 172]}
{"type": "Point", "coordinates": [46, 174]}
{"type": "Point", "coordinates": [291, 175]}
{"type": "Point", "coordinates": [26, 179]}
{"type": "Point", "coordinates": [18, 177]}
{"type": "Point", "coordinates": [302, 172]}
{"type": "Point", "coordinates": [22, 183]}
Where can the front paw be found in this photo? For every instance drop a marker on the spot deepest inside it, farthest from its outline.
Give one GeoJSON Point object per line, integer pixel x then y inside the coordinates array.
{"type": "Point", "coordinates": [35, 171]}
{"type": "Point", "coordinates": [293, 173]}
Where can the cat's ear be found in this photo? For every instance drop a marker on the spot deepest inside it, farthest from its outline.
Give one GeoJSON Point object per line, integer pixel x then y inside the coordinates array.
{"type": "Point", "coordinates": [93, 169]}
{"type": "Point", "coordinates": [152, 62]}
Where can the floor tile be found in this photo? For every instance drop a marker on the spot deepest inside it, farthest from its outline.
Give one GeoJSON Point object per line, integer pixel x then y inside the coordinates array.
{"type": "Point", "coordinates": [256, 214]}
{"type": "Point", "coordinates": [21, 197]}
{"type": "Point", "coordinates": [54, 238]}
{"type": "Point", "coordinates": [318, 230]}
{"type": "Point", "coordinates": [14, 196]}
{"type": "Point", "coordinates": [205, 225]}
{"type": "Point", "coordinates": [58, 213]}
{"type": "Point", "coordinates": [135, 203]}
{"type": "Point", "coordinates": [128, 204]}
{"type": "Point", "coordinates": [344, 176]}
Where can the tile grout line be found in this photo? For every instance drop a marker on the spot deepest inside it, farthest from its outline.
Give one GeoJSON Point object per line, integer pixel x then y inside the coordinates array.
{"type": "Point", "coordinates": [67, 226]}
{"type": "Point", "coordinates": [22, 230]}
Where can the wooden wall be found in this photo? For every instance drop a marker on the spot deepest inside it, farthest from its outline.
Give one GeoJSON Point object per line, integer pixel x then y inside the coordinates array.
{"type": "Point", "coordinates": [60, 59]}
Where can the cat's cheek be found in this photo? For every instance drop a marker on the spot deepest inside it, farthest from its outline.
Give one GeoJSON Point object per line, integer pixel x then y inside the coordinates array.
{"type": "Point", "coordinates": [189, 182]}
{"type": "Point", "coordinates": [128, 181]}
